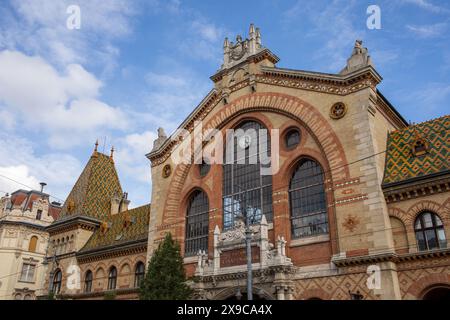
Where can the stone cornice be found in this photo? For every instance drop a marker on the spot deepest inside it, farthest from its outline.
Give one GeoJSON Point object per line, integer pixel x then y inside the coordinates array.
{"type": "Point", "coordinates": [97, 294]}
{"type": "Point", "coordinates": [417, 187]}
{"type": "Point", "coordinates": [72, 223]}
{"type": "Point", "coordinates": [258, 273]}
{"type": "Point", "coordinates": [129, 248]}
{"type": "Point", "coordinates": [390, 112]}
{"type": "Point", "coordinates": [321, 82]}
{"type": "Point", "coordinates": [23, 224]}
{"type": "Point", "coordinates": [320, 77]}
{"type": "Point", "coordinates": [390, 256]}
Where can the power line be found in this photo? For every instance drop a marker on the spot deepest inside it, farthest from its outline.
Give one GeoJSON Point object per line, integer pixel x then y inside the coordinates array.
{"type": "Point", "coordinates": [27, 186]}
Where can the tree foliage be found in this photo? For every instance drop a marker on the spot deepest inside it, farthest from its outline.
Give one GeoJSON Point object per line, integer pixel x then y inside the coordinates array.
{"type": "Point", "coordinates": [165, 278]}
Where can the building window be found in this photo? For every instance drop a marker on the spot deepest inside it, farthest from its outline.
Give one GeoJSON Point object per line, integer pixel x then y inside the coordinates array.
{"type": "Point", "coordinates": [112, 278]}
{"type": "Point", "coordinates": [139, 274]}
{"type": "Point", "coordinates": [420, 147]}
{"type": "Point", "coordinates": [307, 200]}
{"type": "Point", "coordinates": [27, 274]}
{"type": "Point", "coordinates": [247, 181]}
{"type": "Point", "coordinates": [197, 223]}
{"type": "Point", "coordinates": [429, 232]}
{"type": "Point", "coordinates": [203, 168]}
{"type": "Point", "coordinates": [57, 280]}
{"type": "Point", "coordinates": [292, 138]}
{"type": "Point", "coordinates": [39, 214]}
{"type": "Point", "coordinates": [33, 244]}
{"type": "Point", "coordinates": [88, 282]}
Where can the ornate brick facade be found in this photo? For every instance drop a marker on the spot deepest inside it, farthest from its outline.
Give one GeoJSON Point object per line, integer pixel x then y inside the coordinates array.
{"type": "Point", "coordinates": [371, 223]}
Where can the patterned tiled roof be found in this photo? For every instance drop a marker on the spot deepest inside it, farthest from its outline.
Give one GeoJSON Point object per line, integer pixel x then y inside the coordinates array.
{"type": "Point", "coordinates": [92, 193]}
{"type": "Point", "coordinates": [121, 228]}
{"type": "Point", "coordinates": [402, 164]}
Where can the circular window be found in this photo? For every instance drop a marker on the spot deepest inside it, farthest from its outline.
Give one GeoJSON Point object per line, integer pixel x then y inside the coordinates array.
{"type": "Point", "coordinates": [292, 138]}
{"type": "Point", "coordinates": [203, 169]}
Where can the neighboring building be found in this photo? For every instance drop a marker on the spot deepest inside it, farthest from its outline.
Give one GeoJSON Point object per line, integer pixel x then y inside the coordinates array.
{"type": "Point", "coordinates": [23, 243]}
{"type": "Point", "coordinates": [97, 246]}
{"type": "Point", "coordinates": [339, 212]}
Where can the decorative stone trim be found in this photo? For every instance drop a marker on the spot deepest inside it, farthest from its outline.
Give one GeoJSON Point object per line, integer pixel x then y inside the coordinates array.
{"type": "Point", "coordinates": [345, 261]}
{"type": "Point", "coordinates": [349, 200]}
{"type": "Point", "coordinates": [107, 253]}
{"type": "Point", "coordinates": [309, 240]}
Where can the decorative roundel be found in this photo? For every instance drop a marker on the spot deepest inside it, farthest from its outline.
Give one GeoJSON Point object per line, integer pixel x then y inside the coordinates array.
{"type": "Point", "coordinates": [245, 141]}
{"type": "Point", "coordinates": [167, 170]}
{"type": "Point", "coordinates": [338, 110]}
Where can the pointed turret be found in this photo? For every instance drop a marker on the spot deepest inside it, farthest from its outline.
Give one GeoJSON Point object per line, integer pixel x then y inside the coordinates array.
{"type": "Point", "coordinates": [92, 193]}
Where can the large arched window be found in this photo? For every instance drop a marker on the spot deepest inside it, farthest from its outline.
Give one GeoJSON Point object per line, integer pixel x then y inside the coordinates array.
{"type": "Point", "coordinates": [247, 177]}
{"type": "Point", "coordinates": [88, 281]}
{"type": "Point", "coordinates": [197, 223]}
{"type": "Point", "coordinates": [307, 200]}
{"type": "Point", "coordinates": [57, 280]}
{"type": "Point", "coordinates": [139, 274]}
{"type": "Point", "coordinates": [429, 232]}
{"type": "Point", "coordinates": [112, 278]}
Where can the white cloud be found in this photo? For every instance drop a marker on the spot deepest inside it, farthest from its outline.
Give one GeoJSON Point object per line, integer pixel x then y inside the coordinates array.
{"type": "Point", "coordinates": [428, 6]}
{"type": "Point", "coordinates": [330, 21]}
{"type": "Point", "coordinates": [18, 173]}
{"type": "Point", "coordinates": [173, 95]}
{"type": "Point", "coordinates": [60, 104]}
{"type": "Point", "coordinates": [20, 161]}
{"type": "Point", "coordinates": [207, 31]}
{"type": "Point", "coordinates": [428, 31]}
{"type": "Point", "coordinates": [39, 26]}
{"type": "Point", "coordinates": [134, 166]}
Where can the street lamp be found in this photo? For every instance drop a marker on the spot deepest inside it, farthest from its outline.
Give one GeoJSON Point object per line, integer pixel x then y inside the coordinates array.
{"type": "Point", "coordinates": [248, 241]}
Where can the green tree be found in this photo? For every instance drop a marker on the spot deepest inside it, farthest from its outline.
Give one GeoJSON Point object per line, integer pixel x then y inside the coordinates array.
{"type": "Point", "coordinates": [166, 277]}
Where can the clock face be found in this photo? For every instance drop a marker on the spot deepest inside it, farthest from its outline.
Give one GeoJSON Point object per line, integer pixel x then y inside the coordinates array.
{"type": "Point", "coordinates": [245, 141]}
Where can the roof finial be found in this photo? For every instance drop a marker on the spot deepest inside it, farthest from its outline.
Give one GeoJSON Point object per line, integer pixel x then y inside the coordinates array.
{"type": "Point", "coordinates": [96, 146]}
{"type": "Point", "coordinates": [112, 152]}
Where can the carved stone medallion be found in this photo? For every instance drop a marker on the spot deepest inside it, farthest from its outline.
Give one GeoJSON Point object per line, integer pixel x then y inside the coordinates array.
{"type": "Point", "coordinates": [338, 110]}
{"type": "Point", "coordinates": [167, 171]}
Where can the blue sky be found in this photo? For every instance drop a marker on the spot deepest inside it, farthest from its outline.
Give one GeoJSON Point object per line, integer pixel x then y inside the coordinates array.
{"type": "Point", "coordinates": [136, 65]}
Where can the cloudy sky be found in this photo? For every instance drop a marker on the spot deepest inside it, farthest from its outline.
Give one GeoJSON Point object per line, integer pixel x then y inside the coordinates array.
{"type": "Point", "coordinates": [136, 65]}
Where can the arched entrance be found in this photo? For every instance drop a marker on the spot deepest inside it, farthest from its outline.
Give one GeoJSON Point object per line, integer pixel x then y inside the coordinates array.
{"type": "Point", "coordinates": [240, 294]}
{"type": "Point", "coordinates": [439, 293]}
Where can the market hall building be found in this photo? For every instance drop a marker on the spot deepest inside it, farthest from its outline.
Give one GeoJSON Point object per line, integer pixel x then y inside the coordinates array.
{"type": "Point", "coordinates": [359, 204]}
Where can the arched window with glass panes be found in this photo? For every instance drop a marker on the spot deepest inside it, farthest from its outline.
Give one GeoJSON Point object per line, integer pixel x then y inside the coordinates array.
{"type": "Point", "coordinates": [247, 177]}
{"type": "Point", "coordinates": [139, 274]}
{"type": "Point", "coordinates": [307, 200]}
{"type": "Point", "coordinates": [197, 223]}
{"type": "Point", "coordinates": [57, 280]}
{"type": "Point", "coordinates": [430, 232]}
{"type": "Point", "coordinates": [112, 278]}
{"type": "Point", "coordinates": [88, 281]}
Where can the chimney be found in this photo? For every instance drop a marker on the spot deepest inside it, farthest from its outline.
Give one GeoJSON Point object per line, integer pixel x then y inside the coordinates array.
{"type": "Point", "coordinates": [43, 184]}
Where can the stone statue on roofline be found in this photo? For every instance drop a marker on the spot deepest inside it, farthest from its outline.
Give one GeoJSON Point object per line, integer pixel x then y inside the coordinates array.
{"type": "Point", "coordinates": [360, 58]}
{"type": "Point", "coordinates": [162, 137]}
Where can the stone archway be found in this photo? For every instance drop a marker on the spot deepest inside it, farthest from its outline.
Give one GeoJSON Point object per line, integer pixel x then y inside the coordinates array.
{"type": "Point", "coordinates": [231, 293]}
{"type": "Point", "coordinates": [290, 106]}
{"type": "Point", "coordinates": [438, 292]}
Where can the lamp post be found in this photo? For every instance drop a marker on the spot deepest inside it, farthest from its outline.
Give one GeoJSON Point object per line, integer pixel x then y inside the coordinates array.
{"type": "Point", "coordinates": [248, 242]}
